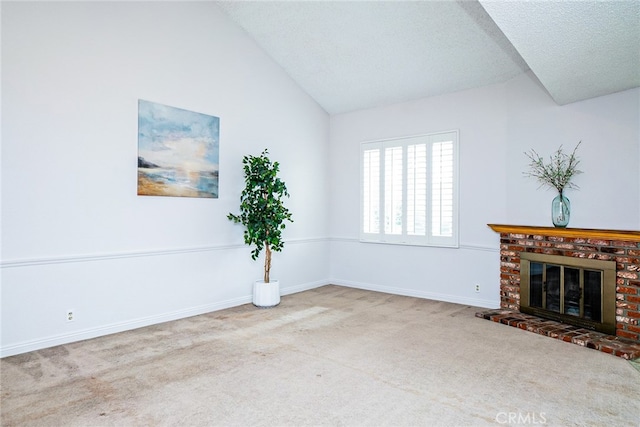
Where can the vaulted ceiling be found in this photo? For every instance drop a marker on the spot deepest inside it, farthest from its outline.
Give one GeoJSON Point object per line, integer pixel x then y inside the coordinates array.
{"type": "Point", "coordinates": [350, 55]}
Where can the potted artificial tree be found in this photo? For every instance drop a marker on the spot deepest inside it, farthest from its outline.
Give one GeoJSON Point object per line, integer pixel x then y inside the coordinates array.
{"type": "Point", "coordinates": [263, 214]}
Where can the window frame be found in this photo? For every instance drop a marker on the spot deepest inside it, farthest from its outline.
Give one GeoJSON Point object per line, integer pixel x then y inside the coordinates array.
{"type": "Point", "coordinates": [429, 239]}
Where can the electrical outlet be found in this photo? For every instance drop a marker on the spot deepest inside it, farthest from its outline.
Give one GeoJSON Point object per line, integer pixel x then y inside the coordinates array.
{"type": "Point", "coordinates": [477, 287]}
{"type": "Point", "coordinates": [70, 316]}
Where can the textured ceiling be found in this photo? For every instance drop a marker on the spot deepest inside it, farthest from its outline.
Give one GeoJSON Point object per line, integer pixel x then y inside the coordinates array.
{"type": "Point", "coordinates": [577, 49]}
{"type": "Point", "coordinates": [351, 55]}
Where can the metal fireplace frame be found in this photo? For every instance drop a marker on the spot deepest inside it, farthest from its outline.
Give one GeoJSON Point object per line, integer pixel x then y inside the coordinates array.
{"type": "Point", "coordinates": [608, 290]}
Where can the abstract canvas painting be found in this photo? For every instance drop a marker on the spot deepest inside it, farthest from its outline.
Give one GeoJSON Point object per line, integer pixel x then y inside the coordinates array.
{"type": "Point", "coordinates": [177, 152]}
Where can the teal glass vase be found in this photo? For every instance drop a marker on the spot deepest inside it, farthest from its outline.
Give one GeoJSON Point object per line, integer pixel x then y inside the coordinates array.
{"type": "Point", "coordinates": [560, 211]}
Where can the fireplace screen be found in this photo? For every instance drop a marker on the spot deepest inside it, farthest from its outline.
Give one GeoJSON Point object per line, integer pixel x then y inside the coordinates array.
{"type": "Point", "coordinates": [572, 290]}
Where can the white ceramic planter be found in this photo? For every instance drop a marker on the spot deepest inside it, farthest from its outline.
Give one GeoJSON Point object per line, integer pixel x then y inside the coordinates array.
{"type": "Point", "coordinates": [266, 294]}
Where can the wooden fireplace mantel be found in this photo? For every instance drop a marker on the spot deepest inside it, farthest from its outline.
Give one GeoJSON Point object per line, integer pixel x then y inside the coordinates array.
{"type": "Point", "coordinates": [589, 233]}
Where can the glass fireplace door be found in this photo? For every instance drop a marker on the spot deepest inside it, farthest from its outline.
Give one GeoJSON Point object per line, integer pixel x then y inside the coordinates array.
{"type": "Point", "coordinates": [560, 289]}
{"type": "Point", "coordinates": [574, 290]}
{"type": "Point", "coordinates": [572, 284]}
{"type": "Point", "coordinates": [593, 295]}
{"type": "Point", "coordinates": [552, 287]}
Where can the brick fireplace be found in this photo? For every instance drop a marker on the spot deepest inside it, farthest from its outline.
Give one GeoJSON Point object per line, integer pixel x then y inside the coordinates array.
{"type": "Point", "coordinates": [622, 247]}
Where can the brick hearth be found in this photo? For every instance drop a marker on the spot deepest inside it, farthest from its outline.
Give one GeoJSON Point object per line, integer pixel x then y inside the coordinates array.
{"type": "Point", "coordinates": [617, 346]}
{"type": "Point", "coordinates": [620, 246]}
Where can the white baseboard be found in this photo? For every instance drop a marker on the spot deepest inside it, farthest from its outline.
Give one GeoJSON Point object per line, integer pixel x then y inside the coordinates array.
{"type": "Point", "coordinates": [52, 341]}
{"type": "Point", "coordinates": [287, 290]}
{"type": "Point", "coordinates": [476, 302]}
{"type": "Point", "coordinates": [27, 346]}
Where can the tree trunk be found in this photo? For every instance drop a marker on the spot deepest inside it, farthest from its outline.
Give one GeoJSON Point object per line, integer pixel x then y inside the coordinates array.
{"type": "Point", "coordinates": [267, 263]}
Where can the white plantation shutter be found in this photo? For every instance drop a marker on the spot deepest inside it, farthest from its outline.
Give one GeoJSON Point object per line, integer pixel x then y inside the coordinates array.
{"type": "Point", "coordinates": [393, 190]}
{"type": "Point", "coordinates": [409, 190]}
{"type": "Point", "coordinates": [371, 191]}
{"type": "Point", "coordinates": [417, 190]}
{"type": "Point", "coordinates": [442, 188]}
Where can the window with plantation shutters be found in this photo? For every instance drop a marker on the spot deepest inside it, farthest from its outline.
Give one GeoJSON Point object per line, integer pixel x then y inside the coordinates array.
{"type": "Point", "coordinates": [409, 190]}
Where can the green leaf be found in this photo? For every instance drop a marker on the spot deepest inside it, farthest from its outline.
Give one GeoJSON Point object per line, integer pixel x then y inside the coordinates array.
{"type": "Point", "coordinates": [262, 210]}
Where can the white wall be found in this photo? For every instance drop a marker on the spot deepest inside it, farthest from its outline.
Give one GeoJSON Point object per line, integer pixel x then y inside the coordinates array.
{"type": "Point", "coordinates": [497, 125]}
{"type": "Point", "coordinates": [609, 128]}
{"type": "Point", "coordinates": [74, 233]}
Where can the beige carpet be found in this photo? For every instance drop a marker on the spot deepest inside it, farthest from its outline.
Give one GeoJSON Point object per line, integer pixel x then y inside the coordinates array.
{"type": "Point", "coordinates": [331, 356]}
